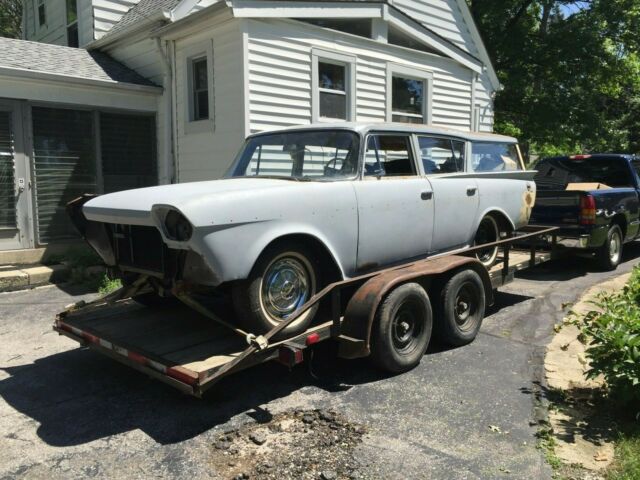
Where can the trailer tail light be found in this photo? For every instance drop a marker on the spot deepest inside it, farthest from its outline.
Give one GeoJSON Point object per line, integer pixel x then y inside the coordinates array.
{"type": "Point", "coordinates": [312, 339]}
{"type": "Point", "coordinates": [290, 355]}
{"type": "Point", "coordinates": [587, 210]}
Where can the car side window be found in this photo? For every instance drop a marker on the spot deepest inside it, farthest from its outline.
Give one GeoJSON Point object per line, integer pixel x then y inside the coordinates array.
{"type": "Point", "coordinates": [441, 155]}
{"type": "Point", "coordinates": [494, 157]}
{"type": "Point", "coordinates": [389, 156]}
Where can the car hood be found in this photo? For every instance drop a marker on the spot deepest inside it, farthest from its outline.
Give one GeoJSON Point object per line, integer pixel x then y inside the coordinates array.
{"type": "Point", "coordinates": [134, 206]}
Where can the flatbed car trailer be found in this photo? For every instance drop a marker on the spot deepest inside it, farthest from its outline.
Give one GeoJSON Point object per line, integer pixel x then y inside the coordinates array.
{"type": "Point", "coordinates": [192, 344]}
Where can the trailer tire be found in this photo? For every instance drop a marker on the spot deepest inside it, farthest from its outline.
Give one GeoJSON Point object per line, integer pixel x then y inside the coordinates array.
{"type": "Point", "coordinates": [610, 254]}
{"type": "Point", "coordinates": [257, 310]}
{"type": "Point", "coordinates": [402, 329]}
{"type": "Point", "coordinates": [461, 308]}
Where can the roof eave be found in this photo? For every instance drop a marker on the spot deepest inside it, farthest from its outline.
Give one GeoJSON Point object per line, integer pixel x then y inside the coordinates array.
{"type": "Point", "coordinates": [108, 39]}
{"type": "Point", "coordinates": [82, 81]}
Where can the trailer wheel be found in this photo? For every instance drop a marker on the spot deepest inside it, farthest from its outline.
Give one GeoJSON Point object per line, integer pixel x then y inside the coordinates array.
{"type": "Point", "coordinates": [402, 329]}
{"type": "Point", "coordinates": [283, 279]}
{"type": "Point", "coordinates": [461, 308]}
{"type": "Point", "coordinates": [610, 254]}
{"type": "Point", "coordinates": [488, 232]}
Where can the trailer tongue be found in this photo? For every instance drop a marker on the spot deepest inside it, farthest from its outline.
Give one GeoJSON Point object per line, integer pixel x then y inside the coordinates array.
{"type": "Point", "coordinates": [193, 344]}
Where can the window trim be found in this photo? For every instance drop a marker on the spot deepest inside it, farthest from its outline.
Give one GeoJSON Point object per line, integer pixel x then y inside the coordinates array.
{"type": "Point", "coordinates": [67, 24]}
{"type": "Point", "coordinates": [349, 62]}
{"type": "Point", "coordinates": [193, 53]}
{"type": "Point", "coordinates": [413, 74]}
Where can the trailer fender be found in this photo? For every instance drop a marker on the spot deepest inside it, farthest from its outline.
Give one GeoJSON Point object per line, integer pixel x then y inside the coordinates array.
{"type": "Point", "coordinates": [363, 305]}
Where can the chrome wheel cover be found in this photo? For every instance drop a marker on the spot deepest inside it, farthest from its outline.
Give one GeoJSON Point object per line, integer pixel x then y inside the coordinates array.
{"type": "Point", "coordinates": [614, 247]}
{"type": "Point", "coordinates": [287, 285]}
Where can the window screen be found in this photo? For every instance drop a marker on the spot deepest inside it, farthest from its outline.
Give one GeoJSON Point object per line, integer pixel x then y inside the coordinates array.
{"type": "Point", "coordinates": [200, 86]}
{"type": "Point", "coordinates": [64, 167]}
{"type": "Point", "coordinates": [332, 83]}
{"type": "Point", "coordinates": [407, 99]}
{"type": "Point", "coordinates": [128, 150]}
{"type": "Point", "coordinates": [388, 156]}
{"type": "Point", "coordinates": [7, 169]}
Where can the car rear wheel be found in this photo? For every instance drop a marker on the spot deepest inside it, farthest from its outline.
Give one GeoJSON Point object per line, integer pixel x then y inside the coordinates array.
{"type": "Point", "coordinates": [283, 279]}
{"type": "Point", "coordinates": [488, 232]}
{"type": "Point", "coordinates": [402, 329]}
{"type": "Point", "coordinates": [610, 254]}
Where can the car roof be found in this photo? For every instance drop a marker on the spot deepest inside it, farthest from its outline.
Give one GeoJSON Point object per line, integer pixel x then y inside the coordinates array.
{"type": "Point", "coordinates": [364, 128]}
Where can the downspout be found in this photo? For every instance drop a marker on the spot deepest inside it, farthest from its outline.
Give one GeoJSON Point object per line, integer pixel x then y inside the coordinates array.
{"type": "Point", "coordinates": [169, 168]}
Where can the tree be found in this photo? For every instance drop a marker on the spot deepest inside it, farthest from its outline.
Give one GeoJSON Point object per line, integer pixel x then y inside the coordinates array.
{"type": "Point", "coordinates": [571, 79]}
{"type": "Point", "coordinates": [11, 18]}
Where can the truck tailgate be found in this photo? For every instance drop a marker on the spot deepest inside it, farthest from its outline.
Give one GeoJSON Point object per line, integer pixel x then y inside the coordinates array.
{"type": "Point", "coordinates": [557, 207]}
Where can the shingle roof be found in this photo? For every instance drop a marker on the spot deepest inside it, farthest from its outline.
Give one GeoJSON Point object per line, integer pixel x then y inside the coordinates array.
{"type": "Point", "coordinates": [140, 11]}
{"type": "Point", "coordinates": [73, 62]}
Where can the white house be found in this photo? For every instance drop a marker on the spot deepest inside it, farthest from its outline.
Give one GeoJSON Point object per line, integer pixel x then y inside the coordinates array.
{"type": "Point", "coordinates": [165, 91]}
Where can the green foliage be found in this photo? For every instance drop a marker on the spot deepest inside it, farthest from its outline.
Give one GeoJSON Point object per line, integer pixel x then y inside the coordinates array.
{"type": "Point", "coordinates": [626, 465]}
{"type": "Point", "coordinates": [571, 80]}
{"type": "Point", "coordinates": [613, 333]}
{"type": "Point", "coordinates": [108, 285]}
{"type": "Point", "coordinates": [11, 18]}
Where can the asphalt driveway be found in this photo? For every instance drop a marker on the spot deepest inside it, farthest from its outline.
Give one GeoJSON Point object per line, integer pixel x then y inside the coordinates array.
{"type": "Point", "coordinates": [463, 413]}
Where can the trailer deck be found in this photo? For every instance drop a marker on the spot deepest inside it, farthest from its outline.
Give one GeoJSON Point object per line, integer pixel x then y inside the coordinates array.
{"type": "Point", "coordinates": [190, 351]}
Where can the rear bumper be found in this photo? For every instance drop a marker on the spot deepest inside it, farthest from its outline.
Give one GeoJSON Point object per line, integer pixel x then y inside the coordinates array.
{"type": "Point", "coordinates": [581, 238]}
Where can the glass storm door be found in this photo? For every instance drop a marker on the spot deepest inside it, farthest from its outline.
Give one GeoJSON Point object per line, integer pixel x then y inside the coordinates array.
{"type": "Point", "coordinates": [14, 180]}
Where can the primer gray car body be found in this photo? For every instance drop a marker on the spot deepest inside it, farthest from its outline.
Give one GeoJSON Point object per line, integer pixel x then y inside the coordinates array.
{"type": "Point", "coordinates": [365, 222]}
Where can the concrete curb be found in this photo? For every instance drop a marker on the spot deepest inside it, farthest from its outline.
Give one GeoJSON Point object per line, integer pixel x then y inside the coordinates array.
{"type": "Point", "coordinates": [31, 276]}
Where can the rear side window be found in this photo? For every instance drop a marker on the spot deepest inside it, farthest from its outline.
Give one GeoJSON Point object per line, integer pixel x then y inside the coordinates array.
{"type": "Point", "coordinates": [389, 156]}
{"type": "Point", "coordinates": [494, 157]}
{"type": "Point", "coordinates": [441, 155]}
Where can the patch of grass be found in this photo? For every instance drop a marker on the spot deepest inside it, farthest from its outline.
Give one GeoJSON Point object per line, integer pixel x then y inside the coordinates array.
{"type": "Point", "coordinates": [108, 285]}
{"type": "Point", "coordinates": [547, 444]}
{"type": "Point", "coordinates": [626, 465]}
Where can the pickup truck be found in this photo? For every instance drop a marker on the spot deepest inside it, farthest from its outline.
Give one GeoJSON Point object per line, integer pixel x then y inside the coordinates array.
{"type": "Point", "coordinates": [594, 201]}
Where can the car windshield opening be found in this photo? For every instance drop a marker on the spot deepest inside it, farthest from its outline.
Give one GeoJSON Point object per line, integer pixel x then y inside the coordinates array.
{"type": "Point", "coordinates": [308, 155]}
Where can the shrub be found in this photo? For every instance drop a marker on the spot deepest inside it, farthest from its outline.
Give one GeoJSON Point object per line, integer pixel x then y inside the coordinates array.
{"type": "Point", "coordinates": [613, 336]}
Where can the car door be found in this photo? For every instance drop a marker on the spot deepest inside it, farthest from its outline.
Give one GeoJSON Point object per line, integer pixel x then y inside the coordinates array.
{"type": "Point", "coordinates": [395, 207]}
{"type": "Point", "coordinates": [455, 195]}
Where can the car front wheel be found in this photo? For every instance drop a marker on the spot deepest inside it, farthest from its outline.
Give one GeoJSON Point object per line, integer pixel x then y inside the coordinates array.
{"type": "Point", "coordinates": [283, 279]}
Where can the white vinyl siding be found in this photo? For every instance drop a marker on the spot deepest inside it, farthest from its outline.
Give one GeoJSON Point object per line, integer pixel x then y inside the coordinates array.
{"type": "Point", "coordinates": [207, 154]}
{"type": "Point", "coordinates": [280, 56]}
{"type": "Point", "coordinates": [444, 17]}
{"type": "Point", "coordinates": [54, 31]}
{"type": "Point", "coordinates": [484, 104]}
{"type": "Point", "coordinates": [107, 13]}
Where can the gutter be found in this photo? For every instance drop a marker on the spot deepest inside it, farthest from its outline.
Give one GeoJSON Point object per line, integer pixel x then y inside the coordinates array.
{"type": "Point", "coordinates": [137, 27]}
{"type": "Point", "coordinates": [169, 175]}
{"type": "Point", "coordinates": [68, 79]}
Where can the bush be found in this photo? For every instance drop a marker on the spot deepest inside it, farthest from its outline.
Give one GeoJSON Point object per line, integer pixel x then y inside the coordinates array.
{"type": "Point", "coordinates": [613, 333]}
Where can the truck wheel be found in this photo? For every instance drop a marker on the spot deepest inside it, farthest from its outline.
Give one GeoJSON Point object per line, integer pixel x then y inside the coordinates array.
{"type": "Point", "coordinates": [402, 329]}
{"type": "Point", "coordinates": [610, 254]}
{"type": "Point", "coordinates": [488, 232]}
{"type": "Point", "coordinates": [283, 279]}
{"type": "Point", "coordinates": [461, 309]}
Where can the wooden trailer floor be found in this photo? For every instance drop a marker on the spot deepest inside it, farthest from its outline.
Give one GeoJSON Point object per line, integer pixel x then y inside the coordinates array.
{"type": "Point", "coordinates": [169, 334]}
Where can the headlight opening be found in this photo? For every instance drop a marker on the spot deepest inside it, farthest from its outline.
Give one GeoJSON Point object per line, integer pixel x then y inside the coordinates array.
{"type": "Point", "coordinates": [177, 226]}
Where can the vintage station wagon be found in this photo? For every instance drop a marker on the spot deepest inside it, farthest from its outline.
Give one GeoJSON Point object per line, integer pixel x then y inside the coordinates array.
{"type": "Point", "coordinates": [304, 206]}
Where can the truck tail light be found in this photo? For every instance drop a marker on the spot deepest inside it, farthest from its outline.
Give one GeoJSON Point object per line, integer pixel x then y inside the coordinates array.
{"type": "Point", "coordinates": [587, 210]}
{"type": "Point", "coordinates": [579, 157]}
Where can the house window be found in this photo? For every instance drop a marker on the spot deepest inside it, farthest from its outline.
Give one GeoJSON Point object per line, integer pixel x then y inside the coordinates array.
{"type": "Point", "coordinates": [72, 23]}
{"type": "Point", "coordinates": [200, 89]}
{"type": "Point", "coordinates": [410, 95]}
{"type": "Point", "coordinates": [42, 13]}
{"type": "Point", "coordinates": [333, 85]}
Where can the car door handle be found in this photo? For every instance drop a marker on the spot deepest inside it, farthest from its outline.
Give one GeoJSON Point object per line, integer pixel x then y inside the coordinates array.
{"type": "Point", "coordinates": [471, 191]}
{"type": "Point", "coordinates": [426, 195]}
